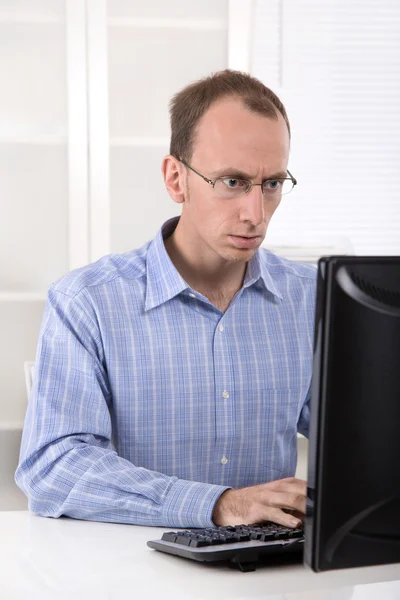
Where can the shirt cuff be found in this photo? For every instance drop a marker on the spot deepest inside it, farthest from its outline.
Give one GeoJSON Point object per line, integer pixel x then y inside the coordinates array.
{"type": "Point", "coordinates": [191, 504]}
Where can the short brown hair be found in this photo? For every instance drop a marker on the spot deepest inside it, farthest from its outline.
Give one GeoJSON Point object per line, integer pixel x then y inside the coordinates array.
{"type": "Point", "coordinates": [188, 106]}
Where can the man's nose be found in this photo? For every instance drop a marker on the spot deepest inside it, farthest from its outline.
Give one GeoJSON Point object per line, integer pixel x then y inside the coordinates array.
{"type": "Point", "coordinates": [253, 206]}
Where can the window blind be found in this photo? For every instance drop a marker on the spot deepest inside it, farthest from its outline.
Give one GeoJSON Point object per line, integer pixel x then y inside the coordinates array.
{"type": "Point", "coordinates": [336, 66]}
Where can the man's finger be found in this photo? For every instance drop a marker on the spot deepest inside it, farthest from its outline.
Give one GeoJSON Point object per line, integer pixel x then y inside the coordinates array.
{"type": "Point", "coordinates": [278, 516]}
{"type": "Point", "coordinates": [295, 513]}
{"type": "Point", "coordinates": [289, 501]}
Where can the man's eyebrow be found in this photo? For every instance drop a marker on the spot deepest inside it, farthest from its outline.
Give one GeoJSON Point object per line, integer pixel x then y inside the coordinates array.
{"type": "Point", "coordinates": [238, 174]}
{"type": "Point", "coordinates": [278, 175]}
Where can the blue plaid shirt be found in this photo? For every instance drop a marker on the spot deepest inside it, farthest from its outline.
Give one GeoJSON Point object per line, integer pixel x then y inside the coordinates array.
{"type": "Point", "coordinates": [148, 401]}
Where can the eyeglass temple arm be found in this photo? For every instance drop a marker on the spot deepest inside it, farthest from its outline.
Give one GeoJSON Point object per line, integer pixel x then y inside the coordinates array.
{"type": "Point", "coordinates": [197, 173]}
{"type": "Point", "coordinates": [292, 178]}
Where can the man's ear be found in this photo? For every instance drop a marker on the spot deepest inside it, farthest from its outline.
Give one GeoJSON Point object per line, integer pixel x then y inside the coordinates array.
{"type": "Point", "coordinates": [174, 175]}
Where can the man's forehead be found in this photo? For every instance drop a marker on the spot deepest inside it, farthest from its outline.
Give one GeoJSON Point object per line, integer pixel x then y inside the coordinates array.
{"type": "Point", "coordinates": [231, 135]}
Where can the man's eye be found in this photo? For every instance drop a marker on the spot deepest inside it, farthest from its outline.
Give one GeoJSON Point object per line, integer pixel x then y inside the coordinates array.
{"type": "Point", "coordinates": [272, 184]}
{"type": "Point", "coordinates": [235, 183]}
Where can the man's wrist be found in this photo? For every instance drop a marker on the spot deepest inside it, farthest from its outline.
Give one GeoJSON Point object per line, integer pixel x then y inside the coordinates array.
{"type": "Point", "coordinates": [224, 508]}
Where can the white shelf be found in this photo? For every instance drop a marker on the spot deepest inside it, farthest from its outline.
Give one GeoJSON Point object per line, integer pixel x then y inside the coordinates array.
{"type": "Point", "coordinates": [42, 140]}
{"type": "Point", "coordinates": [11, 426]}
{"type": "Point", "coordinates": [311, 251]}
{"type": "Point", "coordinates": [139, 141]}
{"type": "Point", "coordinates": [22, 297]}
{"type": "Point", "coordinates": [30, 19]}
{"type": "Point", "coordinates": [199, 24]}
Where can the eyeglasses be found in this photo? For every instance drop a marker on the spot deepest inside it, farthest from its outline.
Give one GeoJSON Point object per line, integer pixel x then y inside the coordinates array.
{"type": "Point", "coordinates": [233, 187]}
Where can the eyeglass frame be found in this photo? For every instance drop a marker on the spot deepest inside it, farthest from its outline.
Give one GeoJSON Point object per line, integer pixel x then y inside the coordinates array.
{"type": "Point", "coordinates": [211, 182]}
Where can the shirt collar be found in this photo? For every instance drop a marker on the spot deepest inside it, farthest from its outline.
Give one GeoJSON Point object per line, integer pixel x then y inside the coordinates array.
{"type": "Point", "coordinates": [258, 272]}
{"type": "Point", "coordinates": [164, 282]}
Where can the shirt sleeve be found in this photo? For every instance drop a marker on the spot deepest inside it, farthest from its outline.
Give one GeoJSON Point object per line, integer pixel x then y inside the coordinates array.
{"type": "Point", "coordinates": [68, 462]}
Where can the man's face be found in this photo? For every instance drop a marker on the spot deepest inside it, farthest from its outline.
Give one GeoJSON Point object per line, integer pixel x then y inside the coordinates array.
{"type": "Point", "coordinates": [229, 140]}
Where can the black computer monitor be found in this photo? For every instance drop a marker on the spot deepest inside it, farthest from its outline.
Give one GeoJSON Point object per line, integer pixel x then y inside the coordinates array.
{"type": "Point", "coordinates": [353, 504]}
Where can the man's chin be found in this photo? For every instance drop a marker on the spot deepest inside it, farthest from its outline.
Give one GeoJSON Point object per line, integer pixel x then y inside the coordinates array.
{"type": "Point", "coordinates": [239, 254]}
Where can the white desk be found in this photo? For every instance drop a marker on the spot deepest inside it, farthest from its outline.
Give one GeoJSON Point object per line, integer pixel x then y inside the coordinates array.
{"type": "Point", "coordinates": [52, 559]}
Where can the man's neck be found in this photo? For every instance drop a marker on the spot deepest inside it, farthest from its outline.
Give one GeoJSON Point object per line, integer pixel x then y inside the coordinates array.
{"type": "Point", "coordinates": [219, 281]}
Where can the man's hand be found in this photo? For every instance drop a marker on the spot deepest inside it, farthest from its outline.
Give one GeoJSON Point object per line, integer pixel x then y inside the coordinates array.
{"type": "Point", "coordinates": [264, 502]}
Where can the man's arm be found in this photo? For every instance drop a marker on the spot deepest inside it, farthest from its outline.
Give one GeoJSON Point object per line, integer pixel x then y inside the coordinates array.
{"type": "Point", "coordinates": [68, 465]}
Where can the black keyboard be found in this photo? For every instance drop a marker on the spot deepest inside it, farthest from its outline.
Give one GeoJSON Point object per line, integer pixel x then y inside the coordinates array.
{"type": "Point", "coordinates": [242, 546]}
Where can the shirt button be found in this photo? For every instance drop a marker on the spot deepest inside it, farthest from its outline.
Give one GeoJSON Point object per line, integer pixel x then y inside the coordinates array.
{"type": "Point", "coordinates": [225, 394]}
{"type": "Point", "coordinates": [192, 295]}
{"type": "Point", "coordinates": [220, 328]}
{"type": "Point", "coordinates": [224, 460]}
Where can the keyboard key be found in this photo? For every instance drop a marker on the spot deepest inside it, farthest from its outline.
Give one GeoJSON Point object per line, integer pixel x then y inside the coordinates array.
{"type": "Point", "coordinates": [198, 543]}
{"type": "Point", "coordinates": [183, 539]}
{"type": "Point", "coordinates": [267, 536]}
{"type": "Point", "coordinates": [296, 533]}
{"type": "Point", "coordinates": [170, 536]}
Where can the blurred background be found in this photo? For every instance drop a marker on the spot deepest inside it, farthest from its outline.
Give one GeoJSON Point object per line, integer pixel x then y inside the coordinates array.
{"type": "Point", "coordinates": [85, 86]}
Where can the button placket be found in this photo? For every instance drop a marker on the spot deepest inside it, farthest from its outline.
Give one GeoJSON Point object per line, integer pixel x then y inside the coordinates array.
{"type": "Point", "coordinates": [224, 389]}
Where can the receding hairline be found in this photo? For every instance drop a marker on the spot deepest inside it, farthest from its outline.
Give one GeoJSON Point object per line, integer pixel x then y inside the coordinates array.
{"type": "Point", "coordinates": [268, 112]}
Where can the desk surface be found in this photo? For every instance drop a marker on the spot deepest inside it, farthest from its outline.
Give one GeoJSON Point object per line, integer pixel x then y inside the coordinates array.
{"type": "Point", "coordinates": [52, 559]}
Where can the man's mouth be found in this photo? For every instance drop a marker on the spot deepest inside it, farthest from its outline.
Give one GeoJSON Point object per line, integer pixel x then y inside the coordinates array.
{"type": "Point", "coordinates": [245, 241]}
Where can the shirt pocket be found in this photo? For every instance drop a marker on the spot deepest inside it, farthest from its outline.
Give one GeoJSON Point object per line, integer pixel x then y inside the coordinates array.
{"type": "Point", "coordinates": [280, 409]}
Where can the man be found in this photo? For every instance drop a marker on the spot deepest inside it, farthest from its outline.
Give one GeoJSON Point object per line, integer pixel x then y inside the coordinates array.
{"type": "Point", "coordinates": [171, 380]}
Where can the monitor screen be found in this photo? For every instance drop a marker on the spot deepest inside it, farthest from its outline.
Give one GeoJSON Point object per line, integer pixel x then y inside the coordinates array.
{"type": "Point", "coordinates": [353, 503]}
